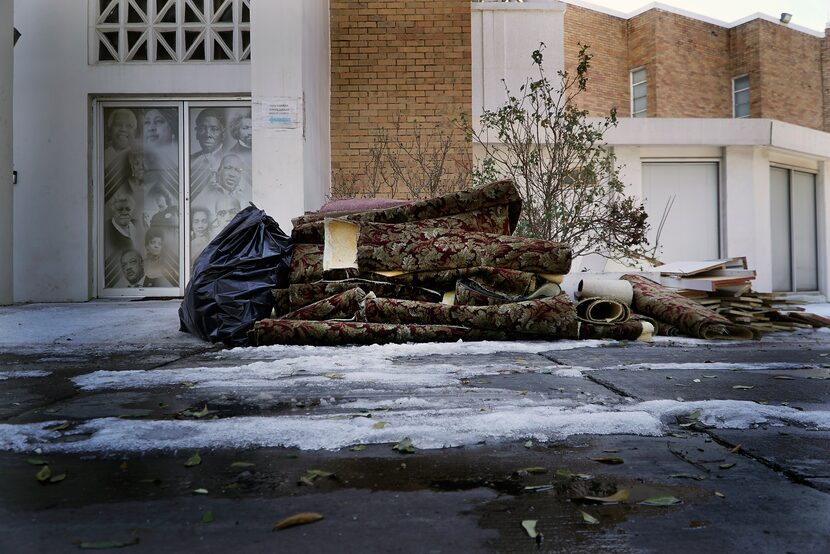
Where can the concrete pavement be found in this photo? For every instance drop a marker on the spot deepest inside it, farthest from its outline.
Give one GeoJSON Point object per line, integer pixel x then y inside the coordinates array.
{"type": "Point", "coordinates": [110, 395]}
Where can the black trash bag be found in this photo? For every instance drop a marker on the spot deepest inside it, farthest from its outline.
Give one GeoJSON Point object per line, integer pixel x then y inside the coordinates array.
{"type": "Point", "coordinates": [230, 287]}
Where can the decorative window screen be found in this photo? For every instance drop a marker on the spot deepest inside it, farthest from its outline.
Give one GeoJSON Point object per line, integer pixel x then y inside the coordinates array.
{"type": "Point", "coordinates": [638, 92]}
{"type": "Point", "coordinates": [740, 96]}
{"type": "Point", "coordinates": [171, 31]}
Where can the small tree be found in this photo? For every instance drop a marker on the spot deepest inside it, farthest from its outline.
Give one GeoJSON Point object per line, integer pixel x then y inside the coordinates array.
{"type": "Point", "coordinates": [417, 163]}
{"type": "Point", "coordinates": [568, 180]}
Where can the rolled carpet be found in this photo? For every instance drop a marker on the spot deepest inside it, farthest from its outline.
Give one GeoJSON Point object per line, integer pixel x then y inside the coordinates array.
{"type": "Point", "coordinates": [602, 311]}
{"type": "Point", "coordinates": [547, 318]}
{"type": "Point", "coordinates": [339, 306]}
{"type": "Point", "coordinates": [337, 333]}
{"type": "Point", "coordinates": [689, 317]}
{"type": "Point", "coordinates": [492, 208]}
{"type": "Point", "coordinates": [403, 248]}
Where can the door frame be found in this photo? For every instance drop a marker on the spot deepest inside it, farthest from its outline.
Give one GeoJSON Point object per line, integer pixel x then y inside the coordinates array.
{"type": "Point", "coordinates": [183, 103]}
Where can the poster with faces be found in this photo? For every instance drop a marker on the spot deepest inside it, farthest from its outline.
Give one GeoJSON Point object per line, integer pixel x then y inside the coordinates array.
{"type": "Point", "coordinates": [220, 170]}
{"type": "Point", "coordinates": [141, 197]}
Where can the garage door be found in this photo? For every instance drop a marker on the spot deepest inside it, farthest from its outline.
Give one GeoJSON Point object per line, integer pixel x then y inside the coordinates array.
{"type": "Point", "coordinates": [689, 191]}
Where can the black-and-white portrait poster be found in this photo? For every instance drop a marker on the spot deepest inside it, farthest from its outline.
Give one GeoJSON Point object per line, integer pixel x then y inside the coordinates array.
{"type": "Point", "coordinates": [220, 170]}
{"type": "Point", "coordinates": [141, 197]}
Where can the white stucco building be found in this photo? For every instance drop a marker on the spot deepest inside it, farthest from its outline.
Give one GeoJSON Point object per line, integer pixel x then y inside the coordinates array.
{"type": "Point", "coordinates": [91, 82]}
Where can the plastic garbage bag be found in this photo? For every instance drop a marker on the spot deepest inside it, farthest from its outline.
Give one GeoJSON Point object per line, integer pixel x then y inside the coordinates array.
{"type": "Point", "coordinates": [230, 286]}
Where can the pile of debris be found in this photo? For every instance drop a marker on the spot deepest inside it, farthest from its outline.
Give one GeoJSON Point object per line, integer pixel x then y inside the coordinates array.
{"type": "Point", "coordinates": [449, 268]}
{"type": "Point", "coordinates": [725, 287]}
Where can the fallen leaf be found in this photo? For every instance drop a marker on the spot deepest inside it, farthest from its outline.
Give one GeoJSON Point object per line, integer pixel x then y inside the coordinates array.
{"type": "Point", "coordinates": [194, 460]}
{"type": "Point", "coordinates": [379, 425]}
{"type": "Point", "coordinates": [242, 465]}
{"type": "Point", "coordinates": [57, 478]}
{"type": "Point", "coordinates": [315, 473]}
{"type": "Point", "coordinates": [735, 450]}
{"type": "Point", "coordinates": [609, 461]}
{"type": "Point", "coordinates": [720, 494]}
{"type": "Point", "coordinates": [44, 474]}
{"type": "Point", "coordinates": [405, 446]}
{"type": "Point", "coordinates": [727, 466]}
{"type": "Point", "coordinates": [743, 387]}
{"type": "Point", "coordinates": [301, 518]}
{"type": "Point", "coordinates": [661, 501]}
{"type": "Point", "coordinates": [107, 544]}
{"type": "Point", "coordinates": [333, 375]}
{"type": "Point", "coordinates": [530, 527]}
{"type": "Point", "coordinates": [358, 448]}
{"type": "Point", "coordinates": [207, 517]}
{"type": "Point", "coordinates": [694, 415]}
{"type": "Point", "coordinates": [619, 496]}
{"type": "Point", "coordinates": [688, 476]}
{"type": "Point", "coordinates": [200, 491]}
{"type": "Point", "coordinates": [36, 461]}
{"type": "Point", "coordinates": [538, 488]}
{"type": "Point", "coordinates": [58, 427]}
{"type": "Point", "coordinates": [533, 470]}
{"type": "Point", "coordinates": [529, 444]}
{"type": "Point", "coordinates": [197, 414]}
{"type": "Point", "coordinates": [588, 518]}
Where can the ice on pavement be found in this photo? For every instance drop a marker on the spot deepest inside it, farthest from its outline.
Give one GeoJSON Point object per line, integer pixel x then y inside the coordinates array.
{"type": "Point", "coordinates": [23, 374]}
{"type": "Point", "coordinates": [428, 429]}
{"type": "Point", "coordinates": [386, 351]}
{"type": "Point", "coordinates": [430, 364]}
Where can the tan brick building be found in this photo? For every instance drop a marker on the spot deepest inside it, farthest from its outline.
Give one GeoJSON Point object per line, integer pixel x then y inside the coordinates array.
{"type": "Point", "coordinates": [399, 67]}
{"type": "Point", "coordinates": [690, 63]}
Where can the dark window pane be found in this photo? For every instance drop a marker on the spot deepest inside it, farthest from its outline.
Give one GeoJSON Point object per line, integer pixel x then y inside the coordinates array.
{"type": "Point", "coordinates": [225, 14]}
{"type": "Point", "coordinates": [191, 16]}
{"type": "Point", "coordinates": [246, 13]}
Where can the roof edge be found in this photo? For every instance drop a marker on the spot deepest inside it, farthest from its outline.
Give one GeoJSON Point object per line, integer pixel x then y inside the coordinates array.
{"type": "Point", "coordinates": [693, 15]}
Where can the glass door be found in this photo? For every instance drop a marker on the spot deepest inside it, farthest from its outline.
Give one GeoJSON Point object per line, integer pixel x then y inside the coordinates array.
{"type": "Point", "coordinates": [171, 175]}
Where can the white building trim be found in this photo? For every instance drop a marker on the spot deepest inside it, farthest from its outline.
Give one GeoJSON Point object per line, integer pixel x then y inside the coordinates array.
{"type": "Point", "coordinates": [692, 15]}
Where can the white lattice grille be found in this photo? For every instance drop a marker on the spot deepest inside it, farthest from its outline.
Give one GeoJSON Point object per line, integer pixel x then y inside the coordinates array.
{"type": "Point", "coordinates": [171, 31]}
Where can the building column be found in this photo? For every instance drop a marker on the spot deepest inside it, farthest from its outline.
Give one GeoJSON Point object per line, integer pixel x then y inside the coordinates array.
{"type": "Point", "coordinates": [747, 227]}
{"type": "Point", "coordinates": [823, 226]}
{"type": "Point", "coordinates": [6, 185]}
{"type": "Point", "coordinates": [290, 100]}
{"type": "Point", "coordinates": [504, 35]}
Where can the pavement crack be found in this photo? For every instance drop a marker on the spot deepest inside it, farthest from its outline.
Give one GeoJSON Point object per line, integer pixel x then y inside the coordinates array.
{"type": "Point", "coordinates": [793, 476]}
{"type": "Point", "coordinates": [613, 388]}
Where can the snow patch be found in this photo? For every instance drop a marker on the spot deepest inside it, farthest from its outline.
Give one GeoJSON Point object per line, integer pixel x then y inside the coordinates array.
{"type": "Point", "coordinates": [428, 430]}
{"type": "Point", "coordinates": [23, 374]}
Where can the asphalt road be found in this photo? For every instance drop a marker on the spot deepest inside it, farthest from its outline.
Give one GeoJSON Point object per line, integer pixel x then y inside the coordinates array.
{"type": "Point", "coordinates": [764, 487]}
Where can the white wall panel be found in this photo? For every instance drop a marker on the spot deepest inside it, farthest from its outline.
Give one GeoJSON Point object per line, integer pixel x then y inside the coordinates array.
{"type": "Point", "coordinates": [692, 227]}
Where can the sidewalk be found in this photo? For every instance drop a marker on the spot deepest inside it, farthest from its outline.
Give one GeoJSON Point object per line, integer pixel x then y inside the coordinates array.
{"type": "Point", "coordinates": [129, 400]}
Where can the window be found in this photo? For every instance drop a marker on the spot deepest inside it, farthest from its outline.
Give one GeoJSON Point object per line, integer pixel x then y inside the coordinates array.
{"type": "Point", "coordinates": [740, 96]}
{"type": "Point", "coordinates": [171, 175]}
{"type": "Point", "coordinates": [794, 230]}
{"type": "Point", "coordinates": [171, 31]}
{"type": "Point", "coordinates": [638, 92]}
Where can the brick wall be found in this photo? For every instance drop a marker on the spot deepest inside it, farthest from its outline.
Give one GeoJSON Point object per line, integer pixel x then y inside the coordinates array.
{"type": "Point", "coordinates": [642, 52]}
{"type": "Point", "coordinates": [791, 88]}
{"type": "Point", "coordinates": [745, 59]}
{"type": "Point", "coordinates": [608, 76]}
{"type": "Point", "coordinates": [825, 71]}
{"type": "Point", "coordinates": [397, 60]}
{"type": "Point", "coordinates": [693, 77]}
{"type": "Point", "coordinates": [690, 65]}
